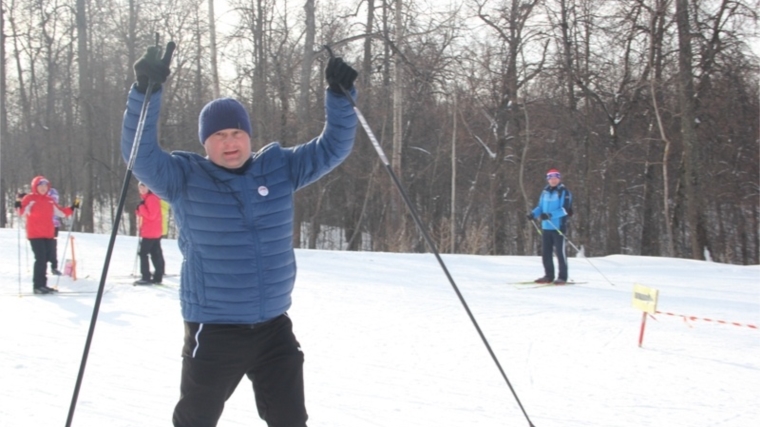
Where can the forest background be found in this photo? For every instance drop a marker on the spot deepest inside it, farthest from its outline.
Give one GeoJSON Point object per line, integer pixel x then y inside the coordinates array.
{"type": "Point", "coordinates": [650, 108]}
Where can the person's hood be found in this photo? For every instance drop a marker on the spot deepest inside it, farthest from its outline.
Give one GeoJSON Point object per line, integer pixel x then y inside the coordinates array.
{"type": "Point", "coordinates": [37, 180]}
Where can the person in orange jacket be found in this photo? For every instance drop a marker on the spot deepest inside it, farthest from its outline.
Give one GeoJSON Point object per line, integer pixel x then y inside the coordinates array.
{"type": "Point", "coordinates": [39, 208]}
{"type": "Point", "coordinates": [150, 223]}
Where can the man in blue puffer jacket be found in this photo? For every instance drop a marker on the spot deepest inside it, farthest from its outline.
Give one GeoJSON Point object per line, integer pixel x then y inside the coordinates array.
{"type": "Point", "coordinates": [555, 206]}
{"type": "Point", "coordinates": [234, 210]}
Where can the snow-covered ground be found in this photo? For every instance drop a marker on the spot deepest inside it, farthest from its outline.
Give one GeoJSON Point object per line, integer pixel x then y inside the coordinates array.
{"type": "Point", "coordinates": [388, 343]}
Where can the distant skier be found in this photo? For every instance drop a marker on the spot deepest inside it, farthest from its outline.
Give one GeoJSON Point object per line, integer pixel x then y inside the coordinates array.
{"type": "Point", "coordinates": [150, 225]}
{"type": "Point", "coordinates": [234, 212]}
{"type": "Point", "coordinates": [555, 206]}
{"type": "Point", "coordinates": [39, 208]}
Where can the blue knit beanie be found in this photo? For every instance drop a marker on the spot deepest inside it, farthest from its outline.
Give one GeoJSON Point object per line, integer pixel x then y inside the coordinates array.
{"type": "Point", "coordinates": [222, 113]}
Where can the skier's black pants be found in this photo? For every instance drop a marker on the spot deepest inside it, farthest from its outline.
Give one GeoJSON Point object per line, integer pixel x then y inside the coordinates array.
{"type": "Point", "coordinates": [43, 252]}
{"type": "Point", "coordinates": [216, 357]}
{"type": "Point", "coordinates": [151, 247]}
{"type": "Point", "coordinates": [554, 243]}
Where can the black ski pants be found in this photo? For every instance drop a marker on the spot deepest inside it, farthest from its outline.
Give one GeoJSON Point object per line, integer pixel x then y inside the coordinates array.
{"type": "Point", "coordinates": [554, 243]}
{"type": "Point", "coordinates": [151, 247]}
{"type": "Point", "coordinates": [43, 252]}
{"type": "Point", "coordinates": [216, 357]}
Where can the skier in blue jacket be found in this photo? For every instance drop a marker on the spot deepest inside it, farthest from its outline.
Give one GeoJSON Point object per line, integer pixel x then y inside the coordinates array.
{"type": "Point", "coordinates": [555, 206]}
{"type": "Point", "coordinates": [234, 210]}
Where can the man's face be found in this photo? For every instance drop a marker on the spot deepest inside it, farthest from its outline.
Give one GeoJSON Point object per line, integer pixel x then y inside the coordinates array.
{"type": "Point", "coordinates": [142, 189]}
{"type": "Point", "coordinates": [228, 148]}
{"type": "Point", "coordinates": [553, 181]}
{"type": "Point", "coordinates": [43, 188]}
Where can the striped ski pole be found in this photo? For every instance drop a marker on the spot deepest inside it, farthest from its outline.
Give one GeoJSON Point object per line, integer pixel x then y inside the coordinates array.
{"type": "Point", "coordinates": [428, 239]}
{"type": "Point", "coordinates": [114, 231]}
{"type": "Point", "coordinates": [579, 251]}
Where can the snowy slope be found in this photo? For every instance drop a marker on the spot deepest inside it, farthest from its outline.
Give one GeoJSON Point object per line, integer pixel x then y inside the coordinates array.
{"type": "Point", "coordinates": [388, 343]}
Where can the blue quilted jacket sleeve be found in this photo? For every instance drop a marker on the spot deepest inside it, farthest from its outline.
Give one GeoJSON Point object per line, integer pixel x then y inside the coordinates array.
{"type": "Point", "coordinates": [153, 166]}
{"type": "Point", "coordinates": [308, 162]}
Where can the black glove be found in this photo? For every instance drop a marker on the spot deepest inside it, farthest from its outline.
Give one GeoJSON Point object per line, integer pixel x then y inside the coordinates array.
{"type": "Point", "coordinates": [75, 204]}
{"type": "Point", "coordinates": [17, 205]}
{"type": "Point", "coordinates": [152, 68]}
{"type": "Point", "coordinates": [529, 216]}
{"type": "Point", "coordinates": [339, 74]}
{"type": "Point", "coordinates": [546, 216]}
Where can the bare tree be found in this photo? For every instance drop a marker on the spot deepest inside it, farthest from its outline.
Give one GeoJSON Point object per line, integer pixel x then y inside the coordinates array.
{"type": "Point", "coordinates": [509, 21]}
{"type": "Point", "coordinates": [688, 106]}
{"type": "Point", "coordinates": [86, 220]}
{"type": "Point", "coordinates": [658, 14]}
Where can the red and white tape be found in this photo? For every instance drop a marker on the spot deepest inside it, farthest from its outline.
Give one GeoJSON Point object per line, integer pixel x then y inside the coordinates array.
{"type": "Point", "coordinates": [723, 322]}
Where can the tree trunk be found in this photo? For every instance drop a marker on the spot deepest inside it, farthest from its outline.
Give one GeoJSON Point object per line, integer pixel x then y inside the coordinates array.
{"type": "Point", "coordinates": [650, 236]}
{"type": "Point", "coordinates": [302, 110]}
{"type": "Point", "coordinates": [567, 52]}
{"type": "Point", "coordinates": [649, 233]}
{"type": "Point", "coordinates": [212, 47]}
{"type": "Point", "coordinates": [397, 213]}
{"type": "Point", "coordinates": [26, 108]}
{"type": "Point", "coordinates": [260, 108]}
{"type": "Point", "coordinates": [85, 222]}
{"type": "Point", "coordinates": [356, 216]}
{"type": "Point", "coordinates": [688, 130]}
{"type": "Point", "coordinates": [3, 116]}
{"type": "Point", "coordinates": [610, 178]}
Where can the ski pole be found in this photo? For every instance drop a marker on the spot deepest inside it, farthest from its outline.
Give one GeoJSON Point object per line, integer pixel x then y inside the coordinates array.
{"type": "Point", "coordinates": [137, 255]}
{"type": "Point", "coordinates": [139, 246]}
{"type": "Point", "coordinates": [114, 230]}
{"type": "Point", "coordinates": [26, 250]}
{"type": "Point", "coordinates": [579, 251]}
{"type": "Point", "coordinates": [538, 230]}
{"type": "Point", "coordinates": [66, 244]}
{"type": "Point", "coordinates": [427, 237]}
{"type": "Point", "coordinates": [540, 233]}
{"type": "Point", "coordinates": [19, 255]}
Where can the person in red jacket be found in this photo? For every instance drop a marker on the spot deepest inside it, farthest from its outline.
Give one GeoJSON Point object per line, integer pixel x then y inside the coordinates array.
{"type": "Point", "coordinates": [150, 224]}
{"type": "Point", "coordinates": [38, 208]}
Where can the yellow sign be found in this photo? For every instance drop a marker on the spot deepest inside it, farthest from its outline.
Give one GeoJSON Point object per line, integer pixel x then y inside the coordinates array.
{"type": "Point", "coordinates": [645, 299]}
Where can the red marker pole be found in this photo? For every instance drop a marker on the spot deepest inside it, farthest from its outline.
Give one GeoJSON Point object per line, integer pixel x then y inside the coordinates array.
{"type": "Point", "coordinates": [643, 325]}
